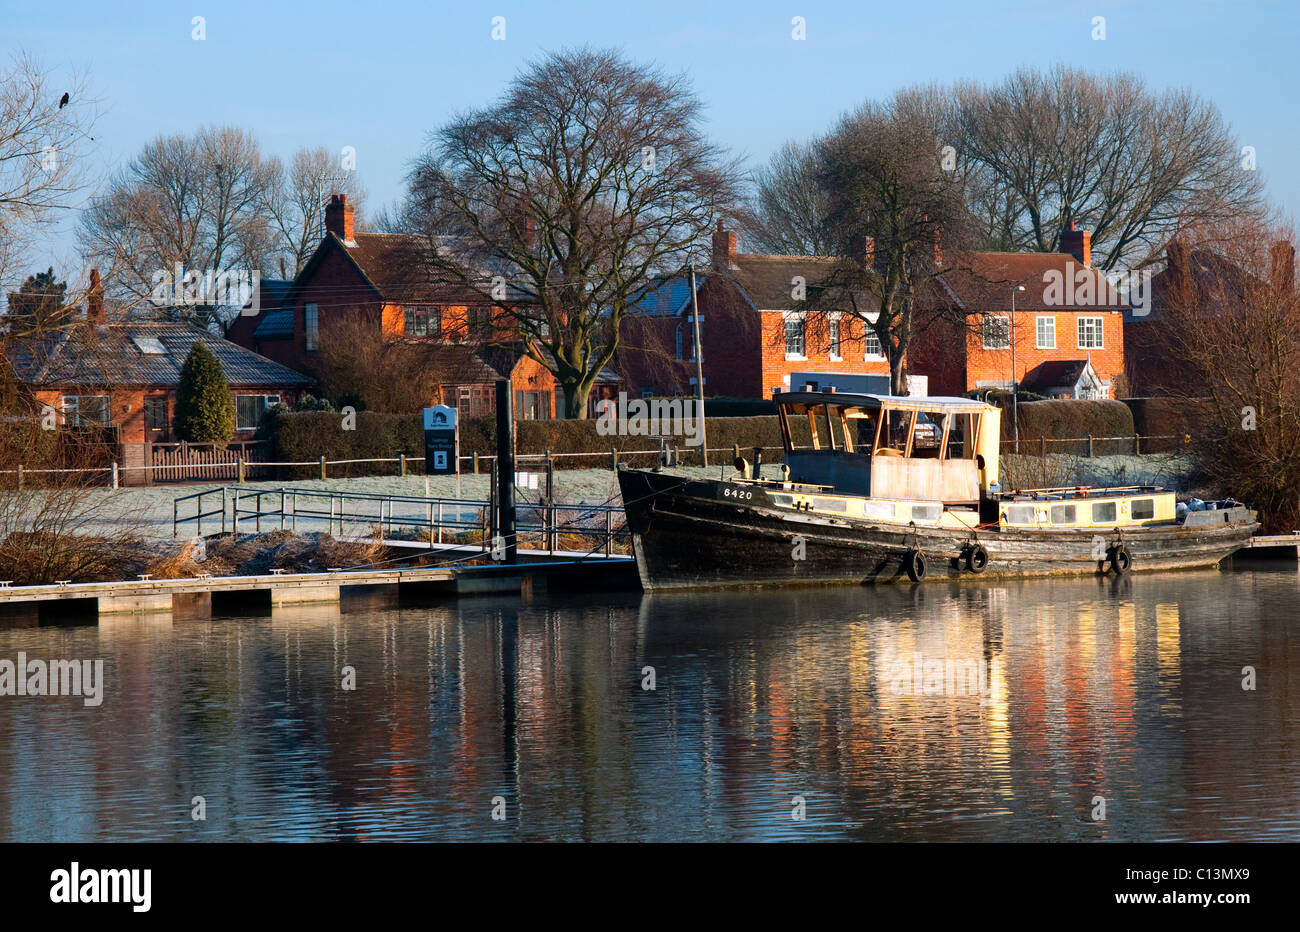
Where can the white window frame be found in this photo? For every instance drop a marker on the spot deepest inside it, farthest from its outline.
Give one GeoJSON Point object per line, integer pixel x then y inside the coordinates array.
{"type": "Point", "coordinates": [870, 338]}
{"type": "Point", "coordinates": [310, 327]}
{"type": "Point", "coordinates": [1101, 332]}
{"type": "Point", "coordinates": [835, 337]}
{"type": "Point", "coordinates": [268, 401]}
{"type": "Point", "coordinates": [72, 410]}
{"type": "Point", "coordinates": [786, 321]}
{"type": "Point", "coordinates": [984, 331]}
{"type": "Point", "coordinates": [1039, 323]}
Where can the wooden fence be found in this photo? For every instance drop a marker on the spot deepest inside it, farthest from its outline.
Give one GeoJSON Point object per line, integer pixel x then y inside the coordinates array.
{"type": "Point", "coordinates": [188, 462]}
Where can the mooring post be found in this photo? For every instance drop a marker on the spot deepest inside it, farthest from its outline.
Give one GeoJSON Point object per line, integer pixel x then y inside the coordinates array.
{"type": "Point", "coordinates": [549, 515]}
{"type": "Point", "coordinates": [506, 469]}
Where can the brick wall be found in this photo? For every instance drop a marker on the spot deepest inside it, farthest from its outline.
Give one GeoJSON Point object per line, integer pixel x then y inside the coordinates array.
{"type": "Point", "coordinates": [995, 365]}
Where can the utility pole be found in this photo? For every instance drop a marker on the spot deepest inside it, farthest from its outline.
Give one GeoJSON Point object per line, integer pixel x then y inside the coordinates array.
{"type": "Point", "coordinates": [1015, 381]}
{"type": "Point", "coordinates": [699, 370]}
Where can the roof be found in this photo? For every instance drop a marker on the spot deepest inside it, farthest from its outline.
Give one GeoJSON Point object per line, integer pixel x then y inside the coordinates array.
{"type": "Point", "coordinates": [1058, 373]}
{"type": "Point", "coordinates": [769, 281]}
{"type": "Point", "coordinates": [275, 325]}
{"type": "Point", "coordinates": [984, 281]}
{"type": "Point", "coordinates": [126, 354]}
{"type": "Point", "coordinates": [895, 402]}
{"type": "Point", "coordinates": [668, 297]}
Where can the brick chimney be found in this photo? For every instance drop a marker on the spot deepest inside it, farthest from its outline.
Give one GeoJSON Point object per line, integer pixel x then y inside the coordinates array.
{"type": "Point", "coordinates": [1283, 254]}
{"type": "Point", "coordinates": [869, 251]}
{"type": "Point", "coordinates": [95, 300]}
{"type": "Point", "coordinates": [338, 217]}
{"type": "Point", "coordinates": [1077, 243]}
{"type": "Point", "coordinates": [724, 248]}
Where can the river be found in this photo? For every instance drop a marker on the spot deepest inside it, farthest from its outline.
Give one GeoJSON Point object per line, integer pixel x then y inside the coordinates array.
{"type": "Point", "coordinates": [1056, 710]}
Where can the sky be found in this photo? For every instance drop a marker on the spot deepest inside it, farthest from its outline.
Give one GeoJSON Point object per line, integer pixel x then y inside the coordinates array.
{"type": "Point", "coordinates": [380, 76]}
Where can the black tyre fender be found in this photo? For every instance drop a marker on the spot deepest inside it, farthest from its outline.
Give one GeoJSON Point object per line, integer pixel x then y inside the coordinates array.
{"type": "Point", "coordinates": [915, 565]}
{"type": "Point", "coordinates": [977, 558]}
{"type": "Point", "coordinates": [1121, 561]}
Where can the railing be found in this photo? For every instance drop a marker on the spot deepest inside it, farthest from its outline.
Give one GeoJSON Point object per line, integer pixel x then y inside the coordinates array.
{"type": "Point", "coordinates": [1090, 446]}
{"type": "Point", "coordinates": [360, 514]}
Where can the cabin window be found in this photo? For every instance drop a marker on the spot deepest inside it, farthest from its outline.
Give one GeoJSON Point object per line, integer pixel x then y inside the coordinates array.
{"type": "Point", "coordinates": [785, 501]}
{"type": "Point", "coordinates": [1090, 333]}
{"type": "Point", "coordinates": [830, 504]}
{"type": "Point", "coordinates": [1045, 328]}
{"type": "Point", "coordinates": [1144, 509]}
{"type": "Point", "coordinates": [1062, 514]}
{"type": "Point", "coordinates": [1020, 514]}
{"type": "Point", "coordinates": [926, 512]}
{"type": "Point", "coordinates": [997, 333]}
{"type": "Point", "coordinates": [1103, 512]}
{"type": "Point", "coordinates": [896, 429]}
{"type": "Point", "coordinates": [794, 338]}
{"type": "Point", "coordinates": [879, 509]}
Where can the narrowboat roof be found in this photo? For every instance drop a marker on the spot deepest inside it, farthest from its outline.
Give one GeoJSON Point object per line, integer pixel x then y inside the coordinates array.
{"type": "Point", "coordinates": [893, 402]}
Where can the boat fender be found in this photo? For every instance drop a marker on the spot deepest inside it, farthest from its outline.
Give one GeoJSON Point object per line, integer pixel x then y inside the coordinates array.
{"type": "Point", "coordinates": [1120, 560]}
{"type": "Point", "coordinates": [977, 558]}
{"type": "Point", "coordinates": [914, 563]}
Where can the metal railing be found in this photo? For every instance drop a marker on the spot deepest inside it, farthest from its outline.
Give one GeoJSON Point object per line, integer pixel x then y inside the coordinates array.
{"type": "Point", "coordinates": [359, 514]}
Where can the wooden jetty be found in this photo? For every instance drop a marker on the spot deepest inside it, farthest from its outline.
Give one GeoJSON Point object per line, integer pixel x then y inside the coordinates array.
{"type": "Point", "coordinates": [201, 596]}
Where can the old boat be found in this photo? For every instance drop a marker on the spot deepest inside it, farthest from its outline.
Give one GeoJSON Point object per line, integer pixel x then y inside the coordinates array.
{"type": "Point", "coordinates": [882, 488]}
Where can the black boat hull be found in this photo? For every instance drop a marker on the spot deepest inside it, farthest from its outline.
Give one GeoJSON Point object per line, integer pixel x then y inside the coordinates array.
{"type": "Point", "coordinates": [689, 533]}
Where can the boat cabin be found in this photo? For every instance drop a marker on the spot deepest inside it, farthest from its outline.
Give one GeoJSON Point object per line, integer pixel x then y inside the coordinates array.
{"type": "Point", "coordinates": [893, 447]}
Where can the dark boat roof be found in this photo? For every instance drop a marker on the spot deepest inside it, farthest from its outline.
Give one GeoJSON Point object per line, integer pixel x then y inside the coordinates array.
{"type": "Point", "coordinates": [894, 402]}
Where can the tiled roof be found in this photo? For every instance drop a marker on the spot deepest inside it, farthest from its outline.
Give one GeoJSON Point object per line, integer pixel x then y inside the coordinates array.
{"type": "Point", "coordinates": [1057, 373]}
{"type": "Point", "coordinates": [398, 266]}
{"type": "Point", "coordinates": [275, 325]}
{"type": "Point", "coordinates": [769, 281]}
{"type": "Point", "coordinates": [121, 354]}
{"type": "Point", "coordinates": [983, 281]}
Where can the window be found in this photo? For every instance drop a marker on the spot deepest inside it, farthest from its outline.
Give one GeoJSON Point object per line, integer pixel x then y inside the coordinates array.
{"type": "Point", "coordinates": [833, 327]}
{"type": "Point", "coordinates": [871, 344]}
{"type": "Point", "coordinates": [997, 333]}
{"type": "Point", "coordinates": [1103, 512]}
{"type": "Point", "coordinates": [480, 321]}
{"type": "Point", "coordinates": [794, 337]}
{"type": "Point", "coordinates": [1090, 333]}
{"type": "Point", "coordinates": [250, 408]}
{"type": "Point", "coordinates": [422, 321]}
{"type": "Point", "coordinates": [155, 415]}
{"type": "Point", "coordinates": [1062, 514]}
{"type": "Point", "coordinates": [311, 326]}
{"type": "Point", "coordinates": [679, 341]}
{"type": "Point", "coordinates": [79, 410]}
{"type": "Point", "coordinates": [1144, 509]}
{"type": "Point", "coordinates": [532, 406]}
{"type": "Point", "coordinates": [1046, 332]}
{"type": "Point", "coordinates": [1020, 514]}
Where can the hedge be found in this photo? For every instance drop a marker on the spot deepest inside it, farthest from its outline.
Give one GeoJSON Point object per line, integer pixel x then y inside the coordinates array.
{"type": "Point", "coordinates": [306, 436]}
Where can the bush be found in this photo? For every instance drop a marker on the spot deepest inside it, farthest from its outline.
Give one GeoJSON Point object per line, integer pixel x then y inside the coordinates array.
{"type": "Point", "coordinates": [205, 409]}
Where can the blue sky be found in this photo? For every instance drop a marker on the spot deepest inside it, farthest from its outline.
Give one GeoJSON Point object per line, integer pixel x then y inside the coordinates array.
{"type": "Point", "coordinates": [380, 75]}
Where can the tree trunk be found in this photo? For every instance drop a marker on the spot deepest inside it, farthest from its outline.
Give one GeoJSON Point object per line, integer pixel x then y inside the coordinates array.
{"type": "Point", "coordinates": [575, 400]}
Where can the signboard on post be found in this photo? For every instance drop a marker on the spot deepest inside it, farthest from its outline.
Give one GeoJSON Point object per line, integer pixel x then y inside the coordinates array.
{"type": "Point", "coordinates": [441, 441]}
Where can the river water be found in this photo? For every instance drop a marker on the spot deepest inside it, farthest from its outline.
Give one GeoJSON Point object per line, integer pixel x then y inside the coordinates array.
{"type": "Point", "coordinates": [1060, 710]}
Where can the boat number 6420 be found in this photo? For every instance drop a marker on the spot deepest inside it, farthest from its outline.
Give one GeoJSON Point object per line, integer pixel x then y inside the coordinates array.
{"type": "Point", "coordinates": [732, 492]}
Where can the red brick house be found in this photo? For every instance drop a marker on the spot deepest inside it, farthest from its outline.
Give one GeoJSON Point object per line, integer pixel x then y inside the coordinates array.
{"type": "Point", "coordinates": [382, 280]}
{"type": "Point", "coordinates": [1068, 325]}
{"type": "Point", "coordinates": [126, 375]}
{"type": "Point", "coordinates": [755, 332]}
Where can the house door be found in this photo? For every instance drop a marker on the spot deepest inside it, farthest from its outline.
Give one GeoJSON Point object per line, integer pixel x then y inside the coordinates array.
{"type": "Point", "coordinates": [157, 424]}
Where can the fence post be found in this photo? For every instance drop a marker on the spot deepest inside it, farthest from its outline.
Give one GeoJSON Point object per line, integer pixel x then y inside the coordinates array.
{"type": "Point", "coordinates": [1137, 444]}
{"type": "Point", "coordinates": [322, 466]}
{"type": "Point", "coordinates": [613, 459]}
{"type": "Point", "coordinates": [401, 464]}
{"type": "Point", "coordinates": [239, 469]}
{"type": "Point", "coordinates": [1090, 446]}
{"type": "Point", "coordinates": [476, 462]}
{"type": "Point", "coordinates": [114, 476]}
{"type": "Point", "coordinates": [1042, 446]}
{"type": "Point", "coordinates": [20, 477]}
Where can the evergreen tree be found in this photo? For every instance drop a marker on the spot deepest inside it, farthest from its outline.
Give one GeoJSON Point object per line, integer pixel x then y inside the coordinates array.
{"type": "Point", "coordinates": [205, 409]}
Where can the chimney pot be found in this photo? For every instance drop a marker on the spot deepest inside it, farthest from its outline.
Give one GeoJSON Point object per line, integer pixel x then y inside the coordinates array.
{"type": "Point", "coordinates": [339, 217]}
{"type": "Point", "coordinates": [1077, 243]}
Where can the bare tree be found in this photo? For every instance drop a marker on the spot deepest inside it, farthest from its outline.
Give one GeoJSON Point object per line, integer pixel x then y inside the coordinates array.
{"type": "Point", "coordinates": [891, 206]}
{"type": "Point", "coordinates": [789, 205]}
{"type": "Point", "coordinates": [295, 203]}
{"type": "Point", "coordinates": [588, 177]}
{"type": "Point", "coordinates": [1045, 149]}
{"type": "Point", "coordinates": [45, 125]}
{"type": "Point", "coordinates": [188, 203]}
{"type": "Point", "coordinates": [390, 376]}
{"type": "Point", "coordinates": [1229, 329]}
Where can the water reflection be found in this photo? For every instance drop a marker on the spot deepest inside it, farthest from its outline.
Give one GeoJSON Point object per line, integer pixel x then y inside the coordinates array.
{"type": "Point", "coordinates": [941, 712]}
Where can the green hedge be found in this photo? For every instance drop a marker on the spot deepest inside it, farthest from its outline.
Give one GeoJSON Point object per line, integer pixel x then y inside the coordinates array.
{"type": "Point", "coordinates": [308, 435]}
